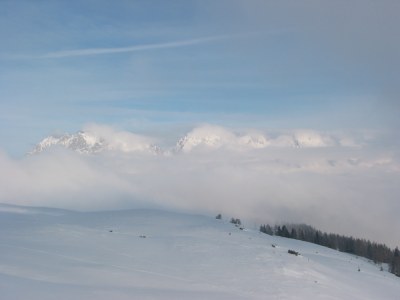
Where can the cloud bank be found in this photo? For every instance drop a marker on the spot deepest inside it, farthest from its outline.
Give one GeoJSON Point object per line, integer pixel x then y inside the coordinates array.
{"type": "Point", "coordinates": [338, 182]}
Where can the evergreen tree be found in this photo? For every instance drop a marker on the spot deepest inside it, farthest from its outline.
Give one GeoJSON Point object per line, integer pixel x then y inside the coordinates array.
{"type": "Point", "coordinates": [300, 235]}
{"type": "Point", "coordinates": [317, 239]}
{"type": "Point", "coordinates": [285, 232]}
{"type": "Point", "coordinates": [349, 242]}
{"type": "Point", "coordinates": [379, 253]}
{"type": "Point", "coordinates": [293, 234]}
{"type": "Point", "coordinates": [266, 229]}
{"type": "Point", "coordinates": [278, 230]}
{"type": "Point", "coordinates": [395, 265]}
{"type": "Point", "coordinates": [236, 221]}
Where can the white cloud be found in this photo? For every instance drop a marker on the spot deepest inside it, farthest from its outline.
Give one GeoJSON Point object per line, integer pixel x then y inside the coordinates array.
{"type": "Point", "coordinates": [350, 190]}
{"type": "Point", "coordinates": [119, 140]}
{"type": "Point", "coordinates": [114, 50]}
{"type": "Point", "coordinates": [215, 137]}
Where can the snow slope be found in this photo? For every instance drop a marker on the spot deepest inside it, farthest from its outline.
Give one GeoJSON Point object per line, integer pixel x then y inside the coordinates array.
{"type": "Point", "coordinates": [57, 254]}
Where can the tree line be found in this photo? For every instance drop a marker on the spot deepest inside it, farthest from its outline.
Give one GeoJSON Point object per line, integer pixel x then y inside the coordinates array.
{"type": "Point", "coordinates": [378, 253]}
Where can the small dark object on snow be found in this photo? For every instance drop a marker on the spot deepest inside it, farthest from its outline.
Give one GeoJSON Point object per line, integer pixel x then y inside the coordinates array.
{"type": "Point", "coordinates": [110, 231]}
{"type": "Point", "coordinates": [273, 245]}
{"type": "Point", "coordinates": [142, 236]}
{"type": "Point", "coordinates": [293, 252]}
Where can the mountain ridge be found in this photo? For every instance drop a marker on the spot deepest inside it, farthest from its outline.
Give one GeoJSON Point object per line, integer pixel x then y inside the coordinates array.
{"type": "Point", "coordinates": [205, 137]}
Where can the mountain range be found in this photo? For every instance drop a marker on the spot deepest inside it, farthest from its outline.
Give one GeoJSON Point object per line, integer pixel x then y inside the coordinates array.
{"type": "Point", "coordinates": [205, 138]}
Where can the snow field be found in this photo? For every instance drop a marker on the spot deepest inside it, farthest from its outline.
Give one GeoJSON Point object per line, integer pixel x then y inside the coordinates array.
{"type": "Point", "coordinates": [150, 254]}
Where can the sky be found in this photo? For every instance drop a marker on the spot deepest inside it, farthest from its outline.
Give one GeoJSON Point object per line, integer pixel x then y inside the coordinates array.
{"type": "Point", "coordinates": [162, 69]}
{"type": "Point", "coordinates": [134, 64]}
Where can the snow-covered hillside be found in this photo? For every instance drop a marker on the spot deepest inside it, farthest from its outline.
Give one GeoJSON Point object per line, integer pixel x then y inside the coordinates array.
{"type": "Point", "coordinates": [150, 254]}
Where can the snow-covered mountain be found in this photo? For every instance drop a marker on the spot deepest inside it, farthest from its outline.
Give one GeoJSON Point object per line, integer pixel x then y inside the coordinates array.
{"type": "Point", "coordinates": [100, 138]}
{"type": "Point", "coordinates": [92, 143]}
{"type": "Point", "coordinates": [214, 137]}
{"type": "Point", "coordinates": [80, 142]}
{"type": "Point", "coordinates": [150, 254]}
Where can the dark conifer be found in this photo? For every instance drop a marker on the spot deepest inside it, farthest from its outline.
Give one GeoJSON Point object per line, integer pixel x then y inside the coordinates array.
{"type": "Point", "coordinates": [293, 234]}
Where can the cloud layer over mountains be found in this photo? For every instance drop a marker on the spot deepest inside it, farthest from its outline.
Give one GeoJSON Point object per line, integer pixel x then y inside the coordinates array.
{"type": "Point", "coordinates": [323, 179]}
{"type": "Point", "coordinates": [97, 138]}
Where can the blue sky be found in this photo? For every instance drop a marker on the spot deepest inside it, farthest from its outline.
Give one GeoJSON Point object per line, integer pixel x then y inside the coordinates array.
{"type": "Point", "coordinates": [137, 65]}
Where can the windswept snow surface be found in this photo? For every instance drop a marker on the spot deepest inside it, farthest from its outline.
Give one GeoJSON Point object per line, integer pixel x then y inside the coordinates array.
{"type": "Point", "coordinates": [150, 254]}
